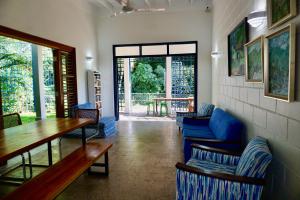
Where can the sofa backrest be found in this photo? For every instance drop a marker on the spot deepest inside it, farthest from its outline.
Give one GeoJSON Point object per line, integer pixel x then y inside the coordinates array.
{"type": "Point", "coordinates": [255, 159]}
{"type": "Point", "coordinates": [206, 109]}
{"type": "Point", "coordinates": [225, 126]}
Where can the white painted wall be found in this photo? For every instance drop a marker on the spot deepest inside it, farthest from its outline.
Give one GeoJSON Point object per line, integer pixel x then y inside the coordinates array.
{"type": "Point", "coordinates": [70, 22]}
{"type": "Point", "coordinates": [150, 28]}
{"type": "Point", "coordinates": [275, 120]}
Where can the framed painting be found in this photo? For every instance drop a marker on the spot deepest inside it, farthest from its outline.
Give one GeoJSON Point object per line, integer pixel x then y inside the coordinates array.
{"type": "Point", "coordinates": [280, 11]}
{"type": "Point", "coordinates": [254, 58]}
{"type": "Point", "coordinates": [280, 64]}
{"type": "Point", "coordinates": [236, 56]}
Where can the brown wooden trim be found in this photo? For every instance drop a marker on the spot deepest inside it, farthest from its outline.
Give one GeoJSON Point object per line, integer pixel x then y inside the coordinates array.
{"type": "Point", "coordinates": [12, 33]}
{"type": "Point", "coordinates": [223, 176]}
{"type": "Point", "coordinates": [58, 84]}
{"type": "Point", "coordinates": [216, 150]}
{"type": "Point", "coordinates": [211, 140]}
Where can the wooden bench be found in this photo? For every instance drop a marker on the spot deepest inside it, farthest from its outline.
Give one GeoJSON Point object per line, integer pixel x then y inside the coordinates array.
{"type": "Point", "coordinates": [56, 178]}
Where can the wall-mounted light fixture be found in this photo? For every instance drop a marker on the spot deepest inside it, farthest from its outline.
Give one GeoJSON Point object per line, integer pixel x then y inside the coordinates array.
{"type": "Point", "coordinates": [215, 54]}
{"type": "Point", "coordinates": [257, 18]}
{"type": "Point", "coordinates": [89, 58]}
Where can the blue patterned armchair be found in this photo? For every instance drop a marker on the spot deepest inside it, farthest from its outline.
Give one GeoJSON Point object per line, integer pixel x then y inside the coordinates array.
{"type": "Point", "coordinates": [218, 174]}
{"type": "Point", "coordinates": [205, 110]}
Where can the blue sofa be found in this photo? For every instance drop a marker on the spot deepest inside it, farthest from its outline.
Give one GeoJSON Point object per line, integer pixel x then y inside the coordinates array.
{"type": "Point", "coordinates": [221, 130]}
{"type": "Point", "coordinates": [218, 174]}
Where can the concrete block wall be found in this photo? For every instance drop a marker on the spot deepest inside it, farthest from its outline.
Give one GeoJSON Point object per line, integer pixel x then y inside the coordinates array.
{"type": "Point", "coordinates": [275, 120]}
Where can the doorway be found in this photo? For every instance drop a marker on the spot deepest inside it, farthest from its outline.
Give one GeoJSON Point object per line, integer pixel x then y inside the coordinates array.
{"type": "Point", "coordinates": [155, 79]}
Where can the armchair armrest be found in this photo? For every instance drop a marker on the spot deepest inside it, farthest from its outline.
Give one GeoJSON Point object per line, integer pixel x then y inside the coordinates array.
{"type": "Point", "coordinates": [213, 141]}
{"type": "Point", "coordinates": [218, 175]}
{"type": "Point", "coordinates": [216, 150]}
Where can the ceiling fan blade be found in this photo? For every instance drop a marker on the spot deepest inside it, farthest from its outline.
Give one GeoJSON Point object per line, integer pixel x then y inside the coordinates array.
{"type": "Point", "coordinates": [150, 9]}
{"type": "Point", "coordinates": [122, 2]}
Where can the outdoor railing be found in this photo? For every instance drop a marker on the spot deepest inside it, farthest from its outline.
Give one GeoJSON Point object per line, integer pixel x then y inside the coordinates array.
{"type": "Point", "coordinates": [141, 100]}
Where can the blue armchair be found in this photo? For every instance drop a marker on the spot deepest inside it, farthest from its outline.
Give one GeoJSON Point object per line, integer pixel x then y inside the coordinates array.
{"type": "Point", "coordinates": [221, 130]}
{"type": "Point", "coordinates": [205, 110]}
{"type": "Point", "coordinates": [218, 174]}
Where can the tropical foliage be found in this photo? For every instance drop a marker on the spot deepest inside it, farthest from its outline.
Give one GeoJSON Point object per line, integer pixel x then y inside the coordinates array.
{"type": "Point", "coordinates": [148, 76]}
{"type": "Point", "coordinates": [16, 78]}
{"type": "Point", "coordinates": [15, 75]}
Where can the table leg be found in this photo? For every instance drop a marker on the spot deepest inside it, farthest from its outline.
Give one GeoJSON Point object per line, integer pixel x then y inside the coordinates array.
{"type": "Point", "coordinates": [50, 153]}
{"type": "Point", "coordinates": [83, 136]}
{"type": "Point", "coordinates": [106, 163]}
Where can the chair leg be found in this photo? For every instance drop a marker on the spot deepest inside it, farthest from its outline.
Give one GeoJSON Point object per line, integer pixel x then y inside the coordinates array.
{"type": "Point", "coordinates": [30, 165]}
{"type": "Point", "coordinates": [24, 168]}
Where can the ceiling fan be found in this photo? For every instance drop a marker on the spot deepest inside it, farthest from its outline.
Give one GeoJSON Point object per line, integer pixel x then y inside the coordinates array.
{"type": "Point", "coordinates": [127, 8]}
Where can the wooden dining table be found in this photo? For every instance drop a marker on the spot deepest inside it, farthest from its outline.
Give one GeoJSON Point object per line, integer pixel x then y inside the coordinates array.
{"type": "Point", "coordinates": [189, 99]}
{"type": "Point", "coordinates": [20, 139]}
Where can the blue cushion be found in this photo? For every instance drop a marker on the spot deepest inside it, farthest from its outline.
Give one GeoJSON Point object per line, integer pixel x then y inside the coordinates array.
{"type": "Point", "coordinates": [201, 132]}
{"type": "Point", "coordinates": [225, 126]}
{"type": "Point", "coordinates": [255, 159]}
{"type": "Point", "coordinates": [206, 109]}
{"type": "Point", "coordinates": [211, 166]}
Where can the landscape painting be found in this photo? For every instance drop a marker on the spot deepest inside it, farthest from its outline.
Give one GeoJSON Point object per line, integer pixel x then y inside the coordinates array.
{"type": "Point", "coordinates": [254, 60]}
{"type": "Point", "coordinates": [236, 56]}
{"type": "Point", "coordinates": [279, 11]}
{"type": "Point", "coordinates": [280, 67]}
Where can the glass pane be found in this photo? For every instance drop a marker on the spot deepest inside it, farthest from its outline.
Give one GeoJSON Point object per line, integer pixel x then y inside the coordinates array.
{"type": "Point", "coordinates": [154, 50]}
{"type": "Point", "coordinates": [128, 51]}
{"type": "Point", "coordinates": [182, 48]}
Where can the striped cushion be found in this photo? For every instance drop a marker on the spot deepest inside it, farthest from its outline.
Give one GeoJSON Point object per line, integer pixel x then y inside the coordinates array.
{"type": "Point", "coordinates": [206, 109]}
{"type": "Point", "coordinates": [255, 159]}
{"type": "Point", "coordinates": [211, 166]}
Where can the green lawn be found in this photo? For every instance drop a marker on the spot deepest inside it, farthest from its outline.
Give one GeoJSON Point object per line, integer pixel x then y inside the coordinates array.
{"type": "Point", "coordinates": [30, 117]}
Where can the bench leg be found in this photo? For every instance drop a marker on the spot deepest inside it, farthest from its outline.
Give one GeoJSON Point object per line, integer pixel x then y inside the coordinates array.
{"type": "Point", "coordinates": [83, 138]}
{"type": "Point", "coordinates": [50, 153]}
{"type": "Point", "coordinates": [105, 165]}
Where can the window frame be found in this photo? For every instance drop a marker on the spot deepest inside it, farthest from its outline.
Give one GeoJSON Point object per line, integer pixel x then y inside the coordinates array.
{"type": "Point", "coordinates": [58, 49]}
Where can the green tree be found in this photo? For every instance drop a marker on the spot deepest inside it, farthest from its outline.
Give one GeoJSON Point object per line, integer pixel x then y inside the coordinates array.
{"type": "Point", "coordinates": [160, 73]}
{"type": "Point", "coordinates": [144, 80]}
{"type": "Point", "coordinates": [13, 66]}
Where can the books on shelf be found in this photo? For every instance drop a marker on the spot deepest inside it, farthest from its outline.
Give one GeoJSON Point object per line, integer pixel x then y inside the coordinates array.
{"type": "Point", "coordinates": [94, 89]}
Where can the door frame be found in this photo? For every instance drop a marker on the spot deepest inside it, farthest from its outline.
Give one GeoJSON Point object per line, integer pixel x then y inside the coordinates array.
{"type": "Point", "coordinates": [168, 54]}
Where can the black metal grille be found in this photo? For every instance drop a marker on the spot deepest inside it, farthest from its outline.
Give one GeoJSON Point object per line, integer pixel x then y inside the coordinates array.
{"type": "Point", "coordinates": [182, 80]}
{"type": "Point", "coordinates": [120, 65]}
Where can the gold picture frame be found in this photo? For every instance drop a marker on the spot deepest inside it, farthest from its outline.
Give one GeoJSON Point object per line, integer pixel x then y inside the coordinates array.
{"type": "Point", "coordinates": [260, 41]}
{"type": "Point", "coordinates": [275, 48]}
{"type": "Point", "coordinates": [271, 8]}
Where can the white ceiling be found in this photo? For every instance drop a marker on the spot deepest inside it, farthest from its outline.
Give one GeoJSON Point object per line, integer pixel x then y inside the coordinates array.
{"type": "Point", "coordinates": [112, 6]}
